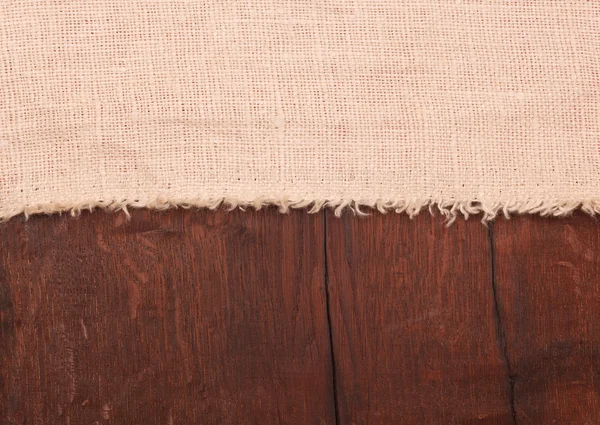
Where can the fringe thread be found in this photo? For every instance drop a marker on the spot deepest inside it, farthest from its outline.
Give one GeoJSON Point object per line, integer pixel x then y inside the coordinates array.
{"type": "Point", "coordinates": [451, 209]}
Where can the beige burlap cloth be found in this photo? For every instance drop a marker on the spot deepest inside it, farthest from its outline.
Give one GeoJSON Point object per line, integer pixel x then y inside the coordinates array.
{"type": "Point", "coordinates": [464, 106]}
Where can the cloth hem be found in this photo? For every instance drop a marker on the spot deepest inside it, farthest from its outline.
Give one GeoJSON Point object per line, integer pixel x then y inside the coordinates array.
{"type": "Point", "coordinates": [451, 209]}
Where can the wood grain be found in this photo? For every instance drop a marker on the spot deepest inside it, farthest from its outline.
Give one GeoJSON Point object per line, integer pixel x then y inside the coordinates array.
{"type": "Point", "coordinates": [414, 328]}
{"type": "Point", "coordinates": [184, 317]}
{"type": "Point", "coordinates": [548, 280]}
{"type": "Point", "coordinates": [171, 318]}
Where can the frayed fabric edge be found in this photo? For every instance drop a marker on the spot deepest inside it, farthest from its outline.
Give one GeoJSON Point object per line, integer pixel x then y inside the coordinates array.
{"type": "Point", "coordinates": [450, 209]}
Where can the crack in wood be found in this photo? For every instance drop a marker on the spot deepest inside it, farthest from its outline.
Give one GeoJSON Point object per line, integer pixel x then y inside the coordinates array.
{"type": "Point", "coordinates": [329, 326]}
{"type": "Point", "coordinates": [500, 330]}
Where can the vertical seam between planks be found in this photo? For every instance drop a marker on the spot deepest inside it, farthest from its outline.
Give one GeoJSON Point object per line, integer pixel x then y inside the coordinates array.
{"type": "Point", "coordinates": [500, 335]}
{"type": "Point", "coordinates": [329, 327]}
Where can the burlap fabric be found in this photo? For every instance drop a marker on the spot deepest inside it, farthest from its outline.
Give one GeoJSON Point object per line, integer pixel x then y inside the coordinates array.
{"type": "Point", "coordinates": [463, 106]}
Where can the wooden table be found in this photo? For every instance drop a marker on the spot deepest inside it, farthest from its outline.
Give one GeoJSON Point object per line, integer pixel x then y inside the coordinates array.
{"type": "Point", "coordinates": [197, 317]}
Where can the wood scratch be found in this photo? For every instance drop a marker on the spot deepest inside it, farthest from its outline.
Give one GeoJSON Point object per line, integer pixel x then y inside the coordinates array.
{"type": "Point", "coordinates": [83, 329]}
{"type": "Point", "coordinates": [65, 365]}
{"type": "Point", "coordinates": [70, 367]}
{"type": "Point", "coordinates": [105, 411]}
{"type": "Point", "coordinates": [134, 299]}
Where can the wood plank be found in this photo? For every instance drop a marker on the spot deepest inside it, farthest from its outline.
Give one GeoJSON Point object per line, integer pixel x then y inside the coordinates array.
{"type": "Point", "coordinates": [548, 279]}
{"type": "Point", "coordinates": [413, 322]}
{"type": "Point", "coordinates": [179, 317]}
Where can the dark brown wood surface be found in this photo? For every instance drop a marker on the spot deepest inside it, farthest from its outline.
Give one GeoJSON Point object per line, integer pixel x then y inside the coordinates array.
{"type": "Point", "coordinates": [413, 319]}
{"type": "Point", "coordinates": [548, 286]}
{"type": "Point", "coordinates": [170, 318]}
{"type": "Point", "coordinates": [198, 317]}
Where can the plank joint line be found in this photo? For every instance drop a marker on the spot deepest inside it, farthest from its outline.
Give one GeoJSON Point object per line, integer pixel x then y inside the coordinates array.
{"type": "Point", "coordinates": [500, 329]}
{"type": "Point", "coordinates": [329, 327]}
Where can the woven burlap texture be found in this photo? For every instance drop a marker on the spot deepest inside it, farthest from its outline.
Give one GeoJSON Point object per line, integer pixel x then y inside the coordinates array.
{"type": "Point", "coordinates": [469, 106]}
